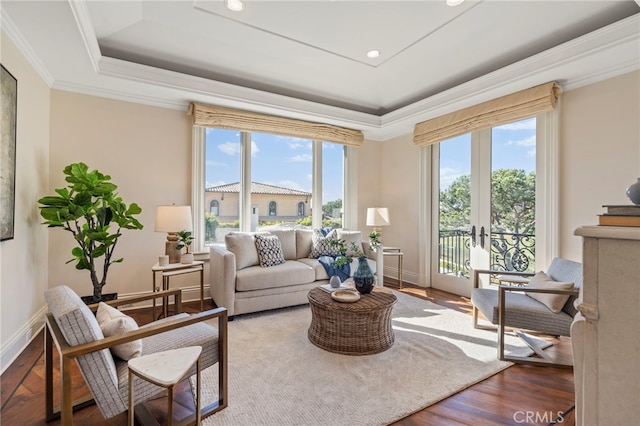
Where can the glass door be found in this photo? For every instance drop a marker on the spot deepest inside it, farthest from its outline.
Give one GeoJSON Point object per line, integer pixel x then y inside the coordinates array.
{"type": "Point", "coordinates": [483, 204]}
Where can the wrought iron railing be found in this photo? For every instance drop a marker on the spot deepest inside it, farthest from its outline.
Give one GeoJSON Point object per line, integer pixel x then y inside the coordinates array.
{"type": "Point", "coordinates": [509, 252]}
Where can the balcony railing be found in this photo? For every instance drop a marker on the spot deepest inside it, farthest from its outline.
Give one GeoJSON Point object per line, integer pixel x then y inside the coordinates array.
{"type": "Point", "coordinates": [509, 252]}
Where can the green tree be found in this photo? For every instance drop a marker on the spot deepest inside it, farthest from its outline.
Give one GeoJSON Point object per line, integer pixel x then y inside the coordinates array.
{"type": "Point", "coordinates": [455, 204]}
{"type": "Point", "coordinates": [210, 226]}
{"type": "Point", "coordinates": [328, 208]}
{"type": "Point", "coordinates": [513, 194]}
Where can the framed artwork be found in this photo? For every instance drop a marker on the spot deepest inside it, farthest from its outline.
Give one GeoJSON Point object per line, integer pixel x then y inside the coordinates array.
{"type": "Point", "coordinates": [8, 107]}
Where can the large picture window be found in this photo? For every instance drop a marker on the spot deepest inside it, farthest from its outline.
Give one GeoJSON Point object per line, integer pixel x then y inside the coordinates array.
{"type": "Point", "coordinates": [261, 181]}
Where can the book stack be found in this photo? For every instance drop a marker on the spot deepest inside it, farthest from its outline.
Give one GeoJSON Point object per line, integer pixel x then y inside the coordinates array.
{"type": "Point", "coordinates": [620, 215]}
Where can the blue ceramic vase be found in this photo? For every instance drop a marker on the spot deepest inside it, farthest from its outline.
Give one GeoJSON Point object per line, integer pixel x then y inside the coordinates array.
{"type": "Point", "coordinates": [363, 277]}
{"type": "Point", "coordinates": [633, 192]}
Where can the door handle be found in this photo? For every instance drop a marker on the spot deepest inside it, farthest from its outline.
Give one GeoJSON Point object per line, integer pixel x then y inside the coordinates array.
{"type": "Point", "coordinates": [473, 236]}
{"type": "Point", "coordinates": [482, 235]}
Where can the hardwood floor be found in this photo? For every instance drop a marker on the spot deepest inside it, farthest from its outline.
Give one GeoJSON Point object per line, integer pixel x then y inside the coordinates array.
{"type": "Point", "coordinates": [519, 395]}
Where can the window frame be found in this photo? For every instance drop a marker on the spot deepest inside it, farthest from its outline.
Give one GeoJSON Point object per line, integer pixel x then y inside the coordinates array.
{"type": "Point", "coordinates": [198, 180]}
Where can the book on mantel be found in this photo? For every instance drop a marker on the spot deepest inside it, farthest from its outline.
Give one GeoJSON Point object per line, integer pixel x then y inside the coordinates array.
{"type": "Point", "coordinates": [622, 209]}
{"type": "Point", "coordinates": [618, 220]}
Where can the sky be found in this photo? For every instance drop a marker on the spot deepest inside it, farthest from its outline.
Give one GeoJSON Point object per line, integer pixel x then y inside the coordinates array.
{"type": "Point", "coordinates": [286, 161]}
{"type": "Point", "coordinates": [513, 146]}
{"type": "Point", "coordinates": [275, 160]}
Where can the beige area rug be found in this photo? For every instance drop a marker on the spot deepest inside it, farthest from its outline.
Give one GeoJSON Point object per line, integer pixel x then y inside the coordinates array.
{"type": "Point", "coordinates": [277, 377]}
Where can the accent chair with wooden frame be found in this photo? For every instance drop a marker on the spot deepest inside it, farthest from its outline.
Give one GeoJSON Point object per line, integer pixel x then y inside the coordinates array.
{"type": "Point", "coordinates": [73, 329]}
{"type": "Point", "coordinates": [509, 307]}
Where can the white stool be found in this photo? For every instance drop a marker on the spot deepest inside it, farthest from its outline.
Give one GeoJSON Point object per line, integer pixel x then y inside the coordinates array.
{"type": "Point", "coordinates": [165, 369]}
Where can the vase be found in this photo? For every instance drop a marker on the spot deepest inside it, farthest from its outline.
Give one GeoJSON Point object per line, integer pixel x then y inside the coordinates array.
{"type": "Point", "coordinates": [335, 281]}
{"type": "Point", "coordinates": [363, 277]}
{"type": "Point", "coordinates": [633, 192]}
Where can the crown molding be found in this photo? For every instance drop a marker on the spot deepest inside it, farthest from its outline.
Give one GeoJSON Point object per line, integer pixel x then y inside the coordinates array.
{"type": "Point", "coordinates": [600, 46]}
{"type": "Point", "coordinates": [80, 11]}
{"type": "Point", "coordinates": [10, 28]}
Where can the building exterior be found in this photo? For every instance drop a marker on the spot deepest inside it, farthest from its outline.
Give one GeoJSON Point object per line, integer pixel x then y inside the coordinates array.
{"type": "Point", "coordinates": [269, 203]}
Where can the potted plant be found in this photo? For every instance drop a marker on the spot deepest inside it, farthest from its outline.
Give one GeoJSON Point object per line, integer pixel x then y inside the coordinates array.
{"type": "Point", "coordinates": [90, 209]}
{"type": "Point", "coordinates": [185, 238]}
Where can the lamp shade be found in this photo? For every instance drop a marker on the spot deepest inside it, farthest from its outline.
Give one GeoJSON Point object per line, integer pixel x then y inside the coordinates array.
{"type": "Point", "coordinates": [173, 219]}
{"type": "Point", "coordinates": [378, 216]}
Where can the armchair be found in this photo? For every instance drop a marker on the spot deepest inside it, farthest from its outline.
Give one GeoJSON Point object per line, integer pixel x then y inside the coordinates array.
{"type": "Point", "coordinates": [510, 307]}
{"type": "Point", "coordinates": [73, 329]}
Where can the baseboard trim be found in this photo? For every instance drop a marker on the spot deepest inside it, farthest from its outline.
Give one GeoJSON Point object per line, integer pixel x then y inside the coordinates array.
{"type": "Point", "coordinates": [21, 339]}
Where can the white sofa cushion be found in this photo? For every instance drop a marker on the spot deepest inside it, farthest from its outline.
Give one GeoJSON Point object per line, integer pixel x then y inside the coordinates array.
{"type": "Point", "coordinates": [287, 239]}
{"type": "Point", "coordinates": [243, 246]}
{"type": "Point", "coordinates": [289, 273]}
{"type": "Point", "coordinates": [350, 237]}
{"type": "Point", "coordinates": [304, 240]}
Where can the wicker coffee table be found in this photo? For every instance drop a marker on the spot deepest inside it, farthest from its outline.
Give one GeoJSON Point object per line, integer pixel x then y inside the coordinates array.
{"type": "Point", "coordinates": [359, 328]}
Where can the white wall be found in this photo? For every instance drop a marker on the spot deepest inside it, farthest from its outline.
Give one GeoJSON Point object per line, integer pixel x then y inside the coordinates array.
{"type": "Point", "coordinates": [599, 158]}
{"type": "Point", "coordinates": [146, 151]}
{"type": "Point", "coordinates": [599, 153]}
{"type": "Point", "coordinates": [23, 260]}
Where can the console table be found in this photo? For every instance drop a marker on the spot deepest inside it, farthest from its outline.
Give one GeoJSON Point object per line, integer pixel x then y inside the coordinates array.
{"type": "Point", "coordinates": [604, 334]}
{"type": "Point", "coordinates": [174, 269]}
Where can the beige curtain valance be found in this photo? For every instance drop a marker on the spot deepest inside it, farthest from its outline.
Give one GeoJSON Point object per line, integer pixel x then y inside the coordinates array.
{"type": "Point", "coordinates": [517, 106]}
{"type": "Point", "coordinates": [227, 118]}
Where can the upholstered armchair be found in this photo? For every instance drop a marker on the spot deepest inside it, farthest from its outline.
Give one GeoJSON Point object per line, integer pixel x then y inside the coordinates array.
{"type": "Point", "coordinates": [73, 329]}
{"type": "Point", "coordinates": [544, 305]}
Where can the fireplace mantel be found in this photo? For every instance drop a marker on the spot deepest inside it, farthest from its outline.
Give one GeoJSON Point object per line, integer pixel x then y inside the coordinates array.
{"type": "Point", "coordinates": [605, 334]}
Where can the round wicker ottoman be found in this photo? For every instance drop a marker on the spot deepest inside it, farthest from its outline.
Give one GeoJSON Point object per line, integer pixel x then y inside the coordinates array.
{"type": "Point", "coordinates": [359, 328]}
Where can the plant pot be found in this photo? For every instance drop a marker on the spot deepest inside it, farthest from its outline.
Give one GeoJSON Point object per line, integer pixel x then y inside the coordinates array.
{"type": "Point", "coordinates": [186, 258]}
{"type": "Point", "coordinates": [105, 298]}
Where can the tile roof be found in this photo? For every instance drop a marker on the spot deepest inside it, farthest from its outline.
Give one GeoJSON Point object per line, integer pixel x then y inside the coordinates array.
{"type": "Point", "coordinates": [257, 188]}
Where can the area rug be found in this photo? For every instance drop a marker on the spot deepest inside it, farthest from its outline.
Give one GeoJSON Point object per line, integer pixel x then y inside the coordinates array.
{"type": "Point", "coordinates": [277, 377]}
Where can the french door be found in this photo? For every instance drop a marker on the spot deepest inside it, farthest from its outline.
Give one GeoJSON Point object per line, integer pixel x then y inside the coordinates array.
{"type": "Point", "coordinates": [483, 198]}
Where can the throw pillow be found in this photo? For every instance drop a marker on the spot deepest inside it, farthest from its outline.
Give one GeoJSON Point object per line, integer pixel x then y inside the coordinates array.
{"type": "Point", "coordinates": [321, 245]}
{"type": "Point", "coordinates": [351, 237]}
{"type": "Point", "coordinates": [554, 302]}
{"type": "Point", "coordinates": [114, 323]}
{"type": "Point", "coordinates": [269, 250]}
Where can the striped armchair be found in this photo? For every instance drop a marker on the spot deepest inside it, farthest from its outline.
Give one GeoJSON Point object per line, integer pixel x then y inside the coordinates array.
{"type": "Point", "coordinates": [72, 328]}
{"type": "Point", "coordinates": [509, 307]}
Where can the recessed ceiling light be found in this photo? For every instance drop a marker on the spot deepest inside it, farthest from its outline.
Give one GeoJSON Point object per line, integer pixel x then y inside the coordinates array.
{"type": "Point", "coordinates": [235, 5]}
{"type": "Point", "coordinates": [454, 2]}
{"type": "Point", "coordinates": [374, 53]}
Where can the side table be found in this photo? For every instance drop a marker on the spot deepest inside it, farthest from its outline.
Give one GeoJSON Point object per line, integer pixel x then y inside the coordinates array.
{"type": "Point", "coordinates": [174, 269]}
{"type": "Point", "coordinates": [395, 251]}
{"type": "Point", "coordinates": [165, 369]}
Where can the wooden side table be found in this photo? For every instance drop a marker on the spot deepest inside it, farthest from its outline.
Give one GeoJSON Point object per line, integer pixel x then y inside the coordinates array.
{"type": "Point", "coordinates": [395, 251]}
{"type": "Point", "coordinates": [165, 369]}
{"type": "Point", "coordinates": [174, 269]}
{"type": "Point", "coordinates": [359, 328]}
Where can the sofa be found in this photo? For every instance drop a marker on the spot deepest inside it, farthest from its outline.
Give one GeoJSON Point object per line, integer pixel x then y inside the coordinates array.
{"type": "Point", "coordinates": [240, 284]}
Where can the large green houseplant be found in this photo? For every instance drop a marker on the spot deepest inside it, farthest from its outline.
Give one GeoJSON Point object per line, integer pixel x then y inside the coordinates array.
{"type": "Point", "coordinates": [91, 210]}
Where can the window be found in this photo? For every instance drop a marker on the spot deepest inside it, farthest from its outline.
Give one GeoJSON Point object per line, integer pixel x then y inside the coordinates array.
{"type": "Point", "coordinates": [263, 180]}
{"type": "Point", "coordinates": [214, 208]}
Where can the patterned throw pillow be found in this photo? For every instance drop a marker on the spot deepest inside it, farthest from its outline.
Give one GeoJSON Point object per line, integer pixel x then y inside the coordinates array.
{"type": "Point", "coordinates": [269, 250]}
{"type": "Point", "coordinates": [321, 246]}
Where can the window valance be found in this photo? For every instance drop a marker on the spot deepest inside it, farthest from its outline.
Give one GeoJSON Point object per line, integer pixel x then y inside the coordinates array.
{"type": "Point", "coordinates": [228, 118]}
{"type": "Point", "coordinates": [517, 106]}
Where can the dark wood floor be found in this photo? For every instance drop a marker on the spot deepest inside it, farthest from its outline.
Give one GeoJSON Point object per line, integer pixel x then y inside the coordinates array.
{"type": "Point", "coordinates": [519, 395]}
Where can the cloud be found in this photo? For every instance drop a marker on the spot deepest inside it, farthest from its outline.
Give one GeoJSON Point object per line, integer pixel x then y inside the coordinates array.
{"type": "Point", "coordinates": [233, 148]}
{"type": "Point", "coordinates": [216, 164]}
{"type": "Point", "coordinates": [301, 158]}
{"type": "Point", "coordinates": [448, 175]}
{"type": "Point", "coordinates": [300, 145]}
{"type": "Point", "coordinates": [310, 177]}
{"type": "Point", "coordinates": [530, 141]}
{"type": "Point", "coordinates": [212, 184]}
{"type": "Point", "coordinates": [528, 124]}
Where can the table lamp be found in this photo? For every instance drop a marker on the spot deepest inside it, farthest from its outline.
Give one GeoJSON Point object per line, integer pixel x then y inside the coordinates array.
{"type": "Point", "coordinates": [172, 219]}
{"type": "Point", "coordinates": [378, 217]}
